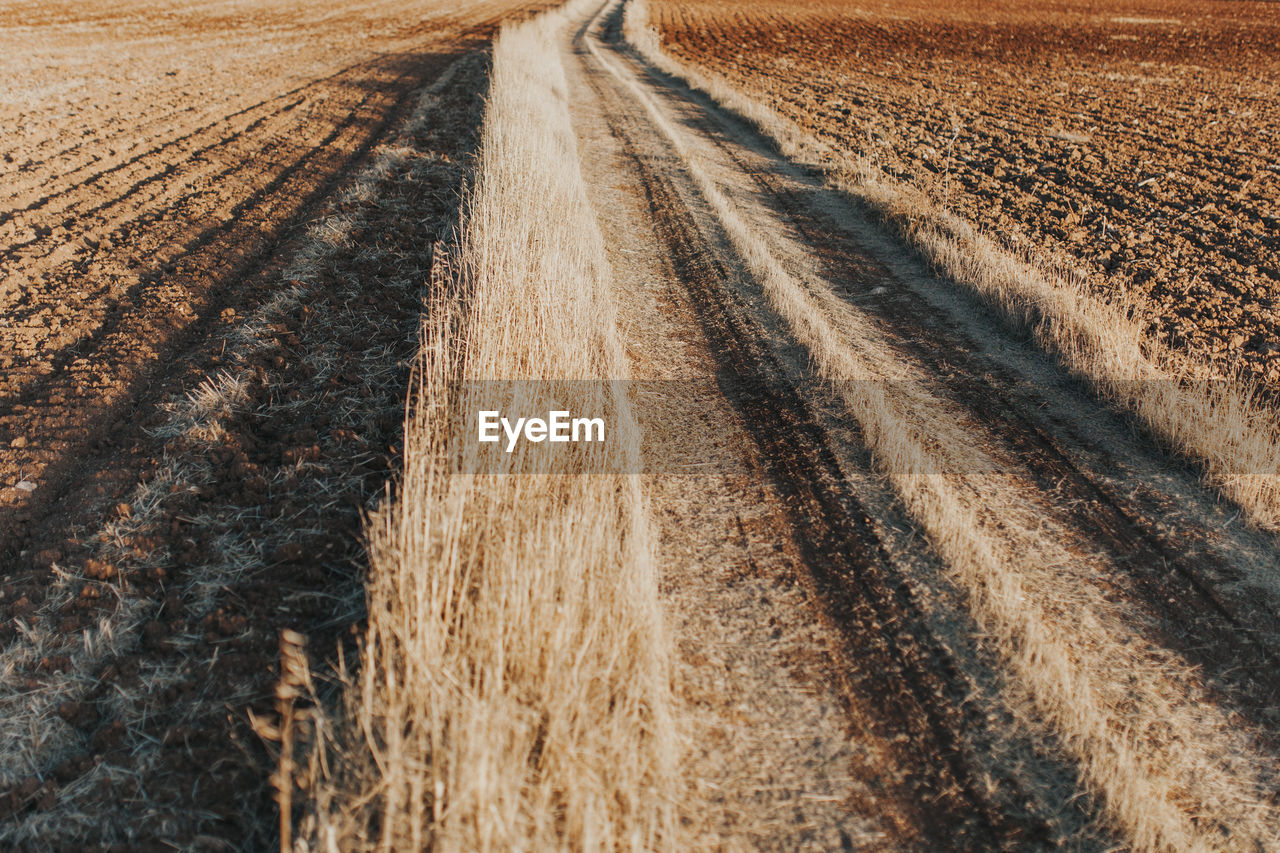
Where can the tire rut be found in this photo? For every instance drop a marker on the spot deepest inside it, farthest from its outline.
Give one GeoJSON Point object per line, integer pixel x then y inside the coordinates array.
{"type": "Point", "coordinates": [1237, 644]}
{"type": "Point", "coordinates": [894, 656]}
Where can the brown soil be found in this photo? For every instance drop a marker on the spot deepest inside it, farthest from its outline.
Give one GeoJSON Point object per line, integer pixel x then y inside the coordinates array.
{"type": "Point", "coordinates": [171, 217]}
{"type": "Point", "coordinates": [1138, 142]}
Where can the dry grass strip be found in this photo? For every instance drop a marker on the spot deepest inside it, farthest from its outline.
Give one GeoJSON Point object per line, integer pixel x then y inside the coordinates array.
{"type": "Point", "coordinates": [513, 687]}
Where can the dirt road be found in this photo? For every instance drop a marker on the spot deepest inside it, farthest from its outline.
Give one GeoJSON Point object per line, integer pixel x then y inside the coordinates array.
{"type": "Point", "coordinates": [1013, 599]}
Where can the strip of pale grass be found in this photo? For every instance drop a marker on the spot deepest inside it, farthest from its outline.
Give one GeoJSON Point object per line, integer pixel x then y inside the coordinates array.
{"type": "Point", "coordinates": [1170, 772]}
{"type": "Point", "coordinates": [1217, 423]}
{"type": "Point", "coordinates": [513, 688]}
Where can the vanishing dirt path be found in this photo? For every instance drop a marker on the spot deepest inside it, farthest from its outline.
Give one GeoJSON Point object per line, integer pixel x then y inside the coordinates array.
{"type": "Point", "coordinates": [1049, 605]}
{"type": "Point", "coordinates": [211, 293]}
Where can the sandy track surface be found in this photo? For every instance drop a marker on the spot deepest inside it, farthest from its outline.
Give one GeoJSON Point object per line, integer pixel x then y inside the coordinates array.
{"type": "Point", "coordinates": [1160, 608]}
{"type": "Point", "coordinates": [216, 226]}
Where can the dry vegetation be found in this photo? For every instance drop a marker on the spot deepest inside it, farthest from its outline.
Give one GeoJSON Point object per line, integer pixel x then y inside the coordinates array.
{"type": "Point", "coordinates": [512, 690]}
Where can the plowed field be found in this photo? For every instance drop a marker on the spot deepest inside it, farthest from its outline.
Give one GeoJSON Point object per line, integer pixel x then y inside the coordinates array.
{"type": "Point", "coordinates": [1136, 141]}
{"type": "Point", "coordinates": [215, 225]}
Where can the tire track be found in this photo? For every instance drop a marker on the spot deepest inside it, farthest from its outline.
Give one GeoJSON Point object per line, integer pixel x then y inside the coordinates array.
{"type": "Point", "coordinates": [1030, 522]}
{"type": "Point", "coordinates": [1237, 645]}
{"type": "Point", "coordinates": [894, 655]}
{"type": "Point", "coordinates": [169, 156]}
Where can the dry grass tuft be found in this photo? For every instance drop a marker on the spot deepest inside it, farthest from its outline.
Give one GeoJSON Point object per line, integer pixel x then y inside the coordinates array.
{"type": "Point", "coordinates": [513, 688]}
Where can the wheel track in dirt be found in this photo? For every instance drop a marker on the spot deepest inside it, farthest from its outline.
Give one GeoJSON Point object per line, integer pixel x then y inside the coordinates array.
{"type": "Point", "coordinates": [140, 124]}
{"type": "Point", "coordinates": [171, 154]}
{"type": "Point", "coordinates": [1239, 647]}
{"type": "Point", "coordinates": [144, 211]}
{"type": "Point", "coordinates": [174, 156]}
{"type": "Point", "coordinates": [894, 655]}
{"type": "Point", "coordinates": [70, 175]}
{"type": "Point", "coordinates": [1200, 609]}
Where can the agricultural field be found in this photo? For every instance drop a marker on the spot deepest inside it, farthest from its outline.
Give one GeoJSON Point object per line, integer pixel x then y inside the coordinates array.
{"type": "Point", "coordinates": [215, 220]}
{"type": "Point", "coordinates": [1137, 141]}
{"type": "Point", "coordinates": [911, 525]}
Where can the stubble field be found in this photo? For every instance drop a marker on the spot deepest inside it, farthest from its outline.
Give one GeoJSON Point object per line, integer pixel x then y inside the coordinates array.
{"type": "Point", "coordinates": [1136, 142]}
